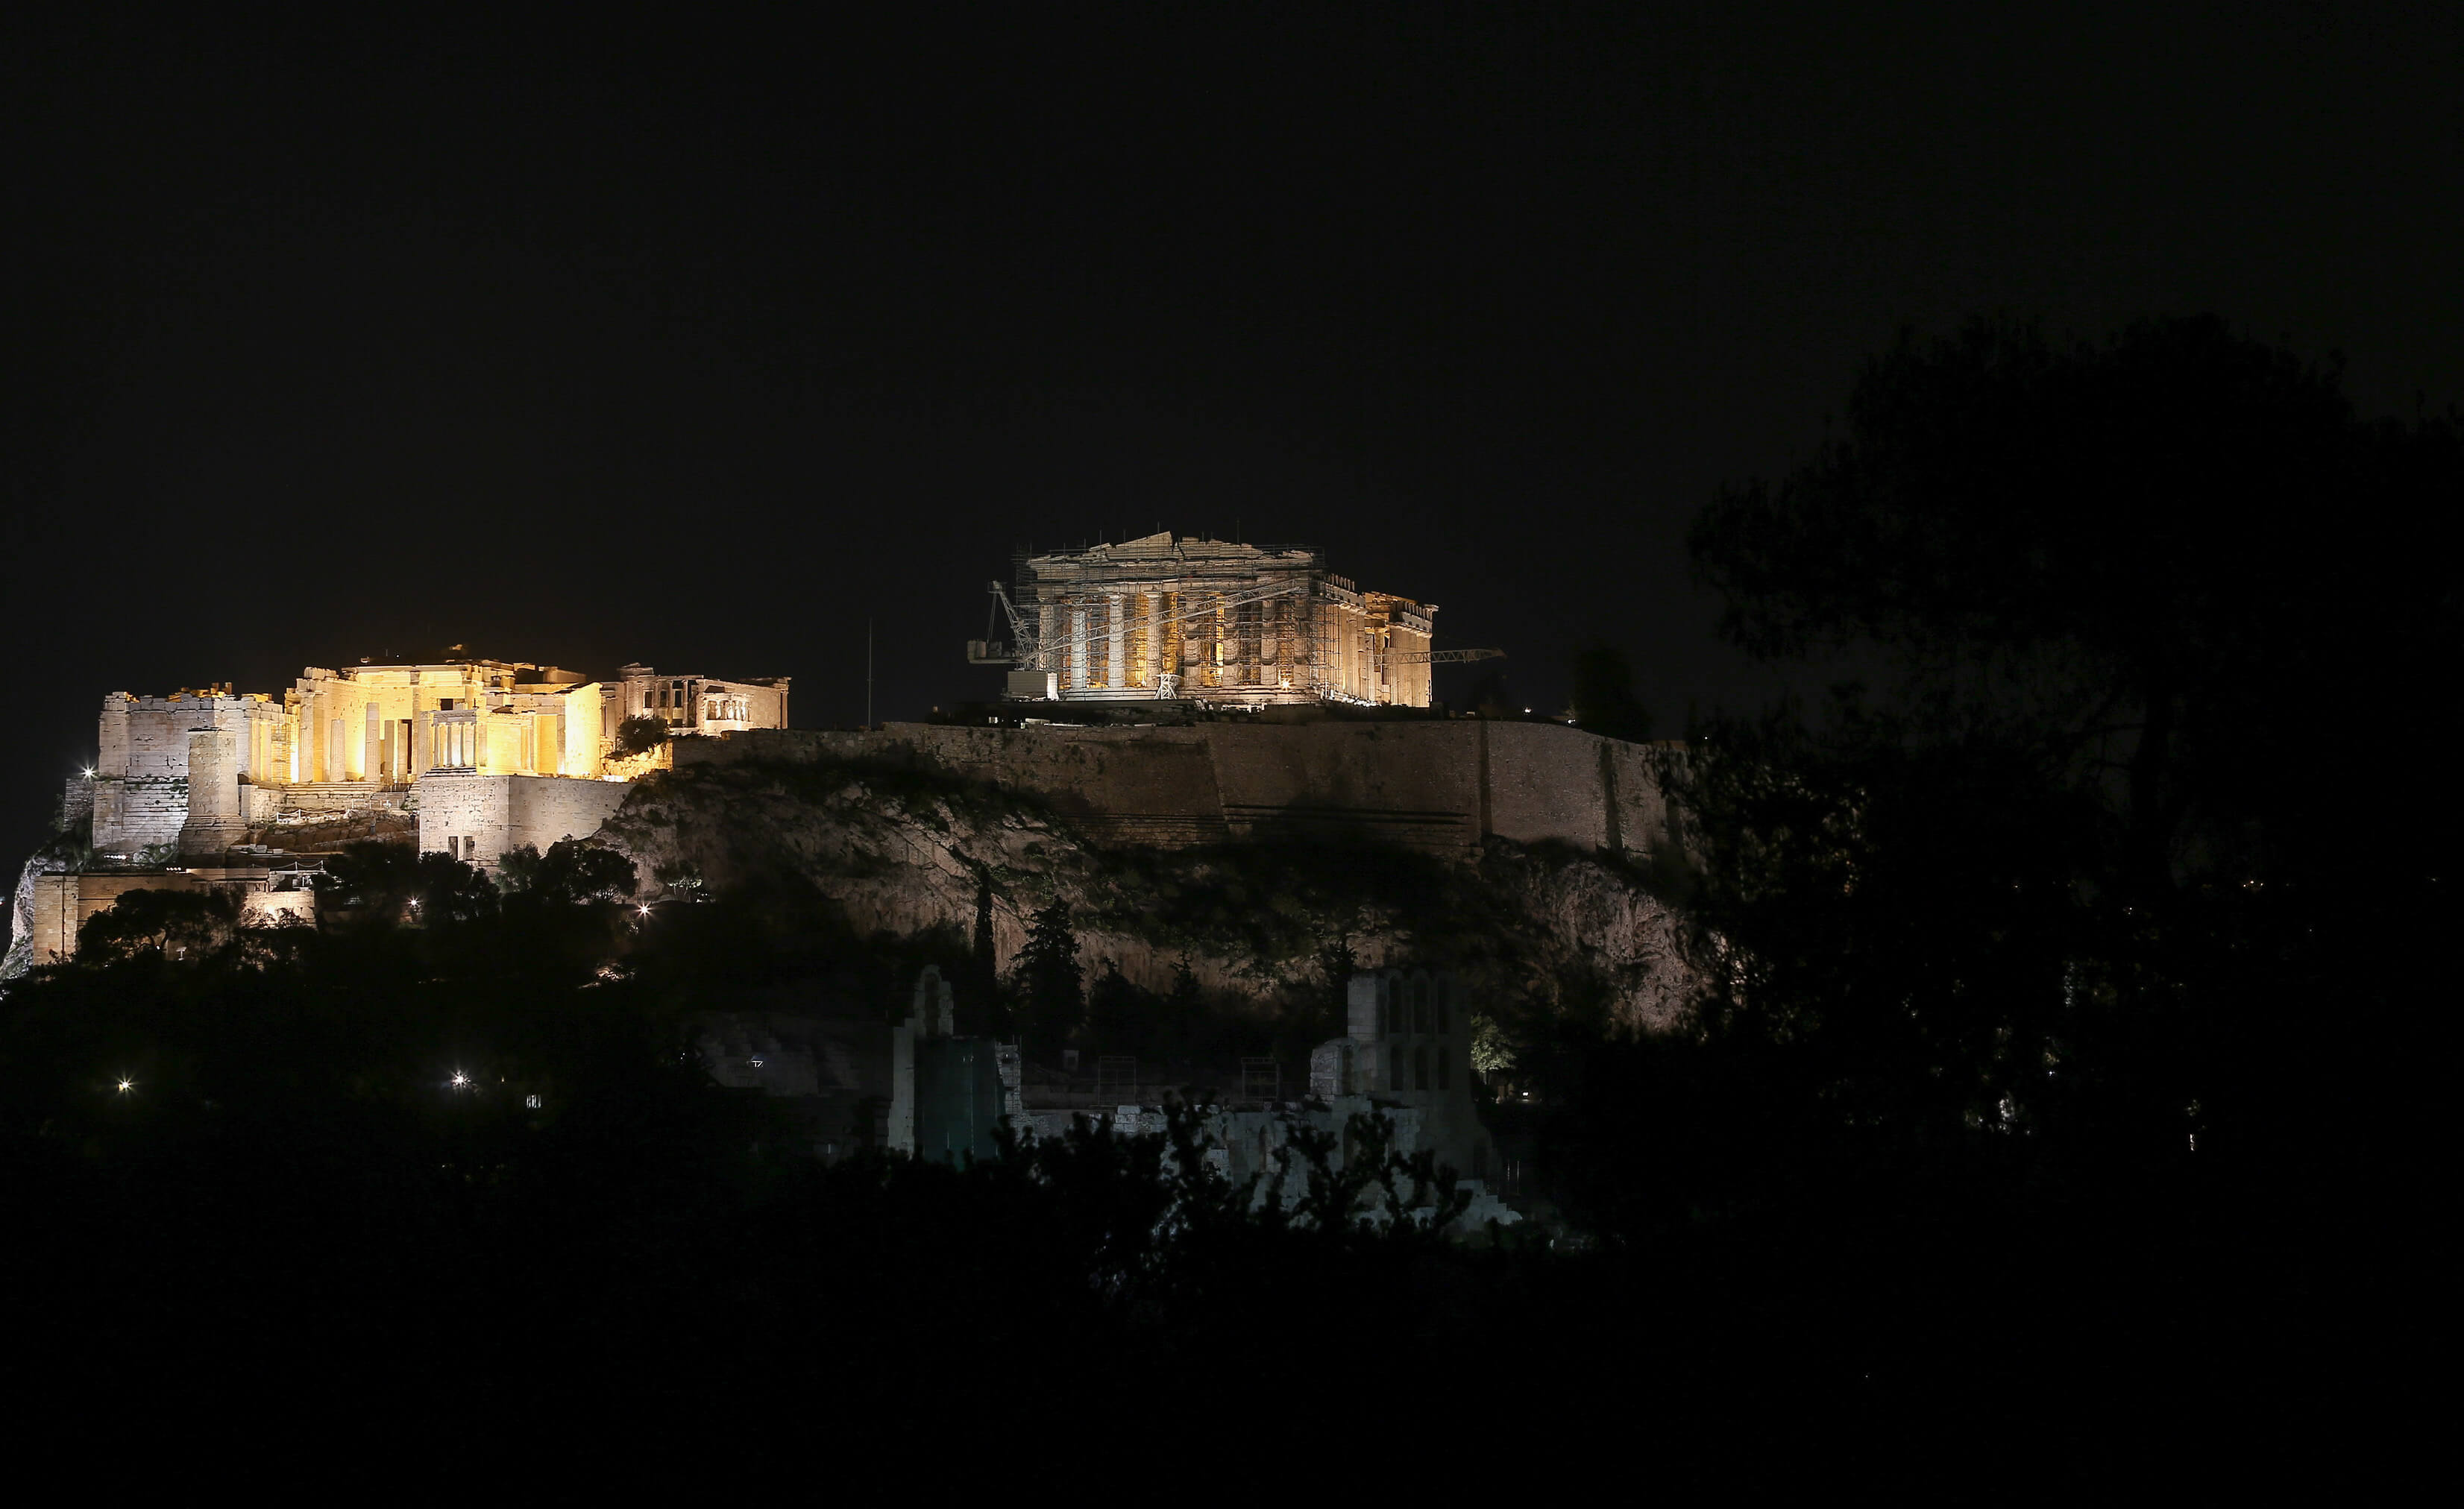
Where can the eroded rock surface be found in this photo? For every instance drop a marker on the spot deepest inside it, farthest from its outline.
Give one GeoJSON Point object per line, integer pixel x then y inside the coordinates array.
{"type": "Point", "coordinates": [902, 853]}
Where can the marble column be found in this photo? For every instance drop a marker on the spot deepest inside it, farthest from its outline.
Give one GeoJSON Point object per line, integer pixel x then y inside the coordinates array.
{"type": "Point", "coordinates": [1116, 666]}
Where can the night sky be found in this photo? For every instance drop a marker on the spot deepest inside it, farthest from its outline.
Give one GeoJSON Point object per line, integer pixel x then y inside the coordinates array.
{"type": "Point", "coordinates": [667, 340]}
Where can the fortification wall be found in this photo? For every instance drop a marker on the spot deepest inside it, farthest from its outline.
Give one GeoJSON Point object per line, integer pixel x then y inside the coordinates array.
{"type": "Point", "coordinates": [62, 903]}
{"type": "Point", "coordinates": [482, 816]}
{"type": "Point", "coordinates": [214, 815]}
{"type": "Point", "coordinates": [156, 742]}
{"type": "Point", "coordinates": [51, 917]}
{"type": "Point", "coordinates": [541, 810]}
{"type": "Point", "coordinates": [1416, 784]}
{"type": "Point", "coordinates": [142, 768]}
{"type": "Point", "coordinates": [58, 905]}
{"type": "Point", "coordinates": [460, 814]}
{"type": "Point", "coordinates": [1440, 785]}
{"type": "Point", "coordinates": [1639, 800]}
{"type": "Point", "coordinates": [141, 780]}
{"type": "Point", "coordinates": [130, 815]}
{"type": "Point", "coordinates": [337, 796]}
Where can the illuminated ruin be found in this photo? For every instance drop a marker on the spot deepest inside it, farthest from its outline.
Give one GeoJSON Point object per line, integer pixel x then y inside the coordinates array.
{"type": "Point", "coordinates": [194, 772]}
{"type": "Point", "coordinates": [1208, 621]}
{"type": "Point", "coordinates": [216, 789]}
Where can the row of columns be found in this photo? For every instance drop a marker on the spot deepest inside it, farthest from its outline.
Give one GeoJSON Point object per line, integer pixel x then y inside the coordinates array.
{"type": "Point", "coordinates": [398, 750]}
{"type": "Point", "coordinates": [1097, 654]}
{"type": "Point", "coordinates": [1279, 640]}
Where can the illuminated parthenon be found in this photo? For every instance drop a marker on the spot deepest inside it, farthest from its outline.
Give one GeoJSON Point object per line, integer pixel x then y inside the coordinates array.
{"type": "Point", "coordinates": [1206, 621]}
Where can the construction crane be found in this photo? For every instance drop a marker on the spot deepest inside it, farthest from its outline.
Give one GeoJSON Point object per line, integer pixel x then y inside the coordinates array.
{"type": "Point", "coordinates": [1446, 657]}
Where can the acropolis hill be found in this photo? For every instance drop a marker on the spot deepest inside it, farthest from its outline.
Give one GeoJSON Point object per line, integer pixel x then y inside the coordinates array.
{"type": "Point", "coordinates": [1171, 695]}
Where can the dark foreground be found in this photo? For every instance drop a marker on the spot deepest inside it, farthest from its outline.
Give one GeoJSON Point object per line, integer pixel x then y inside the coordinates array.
{"type": "Point", "coordinates": [292, 1239]}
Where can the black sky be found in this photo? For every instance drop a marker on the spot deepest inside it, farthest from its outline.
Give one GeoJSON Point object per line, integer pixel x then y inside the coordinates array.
{"type": "Point", "coordinates": [673, 339]}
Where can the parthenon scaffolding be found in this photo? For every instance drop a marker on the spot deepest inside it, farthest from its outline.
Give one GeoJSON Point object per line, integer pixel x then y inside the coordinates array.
{"type": "Point", "coordinates": [1206, 621]}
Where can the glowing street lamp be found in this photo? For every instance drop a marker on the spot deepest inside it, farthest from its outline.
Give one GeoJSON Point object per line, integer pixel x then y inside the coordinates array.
{"type": "Point", "coordinates": [461, 1080]}
{"type": "Point", "coordinates": [127, 1085]}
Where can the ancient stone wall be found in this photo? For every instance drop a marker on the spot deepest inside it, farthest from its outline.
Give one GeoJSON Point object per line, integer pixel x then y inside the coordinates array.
{"type": "Point", "coordinates": [157, 739]}
{"type": "Point", "coordinates": [464, 815]}
{"type": "Point", "coordinates": [1415, 784]}
{"type": "Point", "coordinates": [214, 820]}
{"type": "Point", "coordinates": [141, 785]}
{"type": "Point", "coordinates": [543, 809]}
{"type": "Point", "coordinates": [51, 918]}
{"type": "Point", "coordinates": [337, 796]}
{"type": "Point", "coordinates": [57, 906]}
{"type": "Point", "coordinates": [479, 817]}
{"type": "Point", "coordinates": [131, 814]}
{"type": "Point", "coordinates": [1546, 780]}
{"type": "Point", "coordinates": [1439, 785]}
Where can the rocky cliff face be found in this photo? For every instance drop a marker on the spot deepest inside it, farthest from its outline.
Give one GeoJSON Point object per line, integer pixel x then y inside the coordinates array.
{"type": "Point", "coordinates": [903, 854]}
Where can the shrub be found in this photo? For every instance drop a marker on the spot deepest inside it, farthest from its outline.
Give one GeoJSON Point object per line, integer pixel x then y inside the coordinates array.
{"type": "Point", "coordinates": [639, 734]}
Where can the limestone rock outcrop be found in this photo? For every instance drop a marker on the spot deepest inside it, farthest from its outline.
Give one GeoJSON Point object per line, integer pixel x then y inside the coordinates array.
{"type": "Point", "coordinates": [905, 852]}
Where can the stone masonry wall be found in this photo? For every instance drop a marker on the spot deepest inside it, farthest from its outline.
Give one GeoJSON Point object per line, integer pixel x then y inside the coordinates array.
{"type": "Point", "coordinates": [130, 815]}
{"type": "Point", "coordinates": [1416, 784]}
{"type": "Point", "coordinates": [339, 797]}
{"type": "Point", "coordinates": [62, 903]}
{"type": "Point", "coordinates": [1440, 785]}
{"type": "Point", "coordinates": [142, 773]}
{"type": "Point", "coordinates": [455, 808]}
{"type": "Point", "coordinates": [544, 809]}
{"type": "Point", "coordinates": [55, 906]}
{"type": "Point", "coordinates": [500, 813]}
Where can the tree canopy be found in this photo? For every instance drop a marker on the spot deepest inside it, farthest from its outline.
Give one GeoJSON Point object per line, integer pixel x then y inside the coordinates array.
{"type": "Point", "coordinates": [2135, 754]}
{"type": "Point", "coordinates": [572, 872]}
{"type": "Point", "coordinates": [2175, 564]}
{"type": "Point", "coordinates": [1051, 983]}
{"type": "Point", "coordinates": [639, 734]}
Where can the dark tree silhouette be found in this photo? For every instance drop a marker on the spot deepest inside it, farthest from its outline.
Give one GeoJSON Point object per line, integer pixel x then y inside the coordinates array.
{"type": "Point", "coordinates": [2072, 857]}
{"type": "Point", "coordinates": [175, 925]}
{"type": "Point", "coordinates": [1051, 985]}
{"type": "Point", "coordinates": [382, 877]}
{"type": "Point", "coordinates": [639, 734]}
{"type": "Point", "coordinates": [1604, 698]}
{"type": "Point", "coordinates": [571, 873]}
{"type": "Point", "coordinates": [2151, 561]}
{"type": "Point", "coordinates": [1120, 1016]}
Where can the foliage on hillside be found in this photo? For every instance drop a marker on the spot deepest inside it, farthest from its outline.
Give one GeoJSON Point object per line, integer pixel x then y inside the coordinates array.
{"type": "Point", "coordinates": [1540, 931]}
